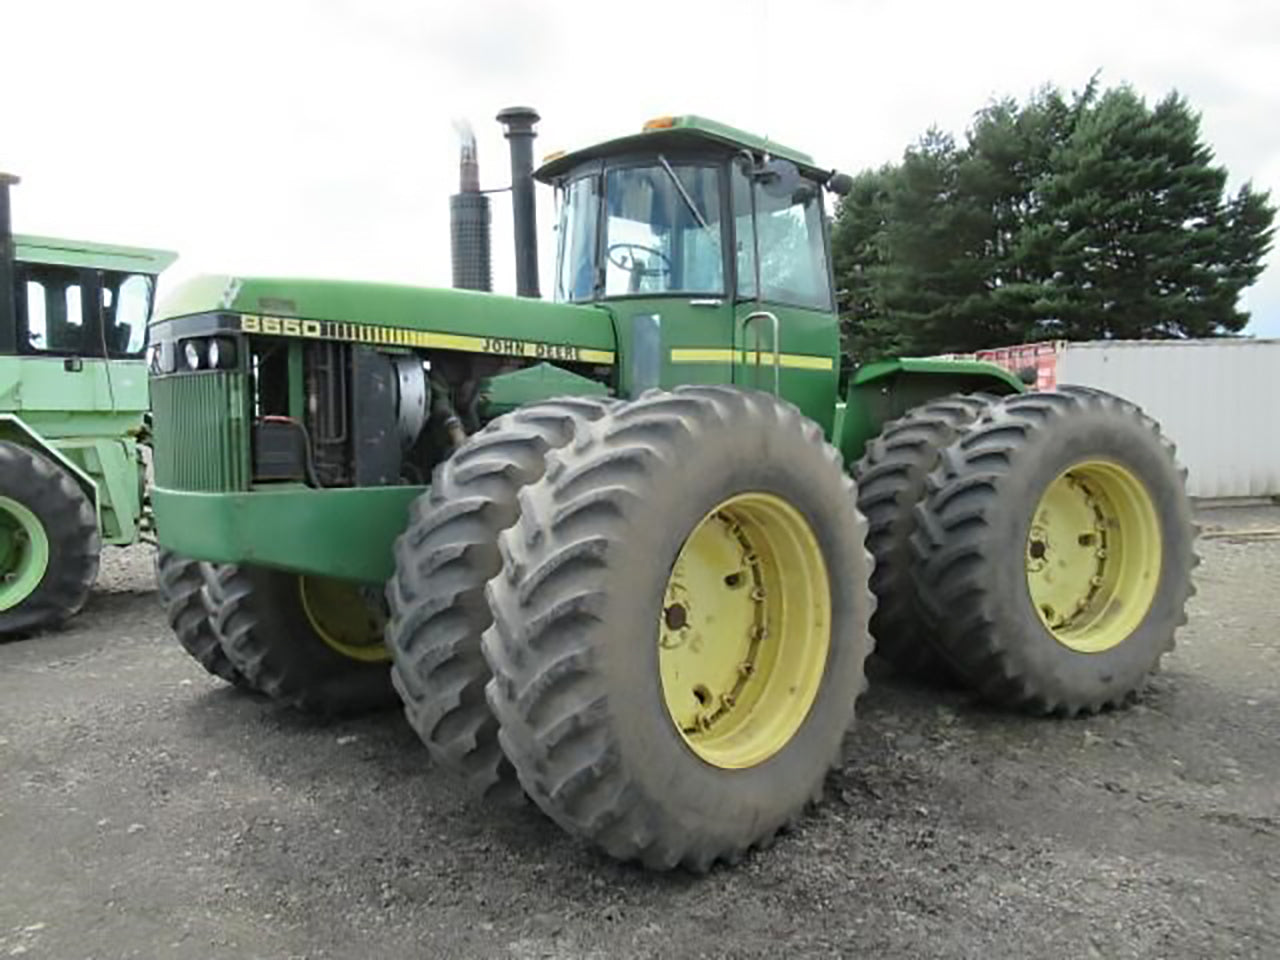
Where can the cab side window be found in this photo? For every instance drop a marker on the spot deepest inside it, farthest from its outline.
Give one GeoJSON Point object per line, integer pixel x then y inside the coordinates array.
{"type": "Point", "coordinates": [793, 255]}
{"type": "Point", "coordinates": [51, 309]}
{"type": "Point", "coordinates": [126, 305]}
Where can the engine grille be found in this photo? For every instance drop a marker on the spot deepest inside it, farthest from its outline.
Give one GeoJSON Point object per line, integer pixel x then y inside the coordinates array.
{"type": "Point", "coordinates": [201, 425]}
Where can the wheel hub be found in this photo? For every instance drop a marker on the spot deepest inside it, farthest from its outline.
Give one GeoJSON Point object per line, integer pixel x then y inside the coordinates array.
{"type": "Point", "coordinates": [345, 617]}
{"type": "Point", "coordinates": [24, 552]}
{"type": "Point", "coordinates": [744, 630]}
{"type": "Point", "coordinates": [1093, 556]}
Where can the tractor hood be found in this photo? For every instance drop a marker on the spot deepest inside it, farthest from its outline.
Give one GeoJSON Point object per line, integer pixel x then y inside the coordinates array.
{"type": "Point", "coordinates": [394, 315]}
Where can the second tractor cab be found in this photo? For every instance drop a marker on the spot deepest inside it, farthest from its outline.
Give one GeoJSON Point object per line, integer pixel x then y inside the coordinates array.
{"type": "Point", "coordinates": [73, 397]}
{"type": "Point", "coordinates": [627, 557]}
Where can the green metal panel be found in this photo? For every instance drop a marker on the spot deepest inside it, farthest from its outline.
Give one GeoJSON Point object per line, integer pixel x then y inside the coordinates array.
{"type": "Point", "coordinates": [694, 339]}
{"type": "Point", "coordinates": [41, 385]}
{"type": "Point", "coordinates": [346, 533]}
{"type": "Point", "coordinates": [85, 414]}
{"type": "Point", "coordinates": [82, 253]}
{"type": "Point", "coordinates": [542, 381]}
{"type": "Point", "coordinates": [116, 468]}
{"type": "Point", "coordinates": [809, 366]}
{"type": "Point", "coordinates": [882, 391]}
{"type": "Point", "coordinates": [497, 324]}
{"type": "Point", "coordinates": [201, 427]}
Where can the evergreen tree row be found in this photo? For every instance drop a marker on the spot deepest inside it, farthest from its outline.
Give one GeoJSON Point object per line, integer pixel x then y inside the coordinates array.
{"type": "Point", "coordinates": [1084, 217]}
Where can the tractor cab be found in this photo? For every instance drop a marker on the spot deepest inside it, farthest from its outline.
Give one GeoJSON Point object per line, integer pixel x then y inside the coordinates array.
{"type": "Point", "coordinates": [72, 298]}
{"type": "Point", "coordinates": [709, 246]}
{"type": "Point", "coordinates": [73, 402]}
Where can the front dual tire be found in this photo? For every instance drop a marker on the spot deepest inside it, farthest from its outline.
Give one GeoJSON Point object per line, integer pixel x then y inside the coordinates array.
{"type": "Point", "coordinates": [310, 643]}
{"type": "Point", "coordinates": [680, 625]}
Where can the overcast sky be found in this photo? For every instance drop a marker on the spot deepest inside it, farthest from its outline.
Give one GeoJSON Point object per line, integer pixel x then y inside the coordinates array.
{"type": "Point", "coordinates": [315, 138]}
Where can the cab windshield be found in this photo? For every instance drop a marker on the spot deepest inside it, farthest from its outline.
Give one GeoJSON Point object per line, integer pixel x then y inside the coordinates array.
{"type": "Point", "coordinates": [662, 233]}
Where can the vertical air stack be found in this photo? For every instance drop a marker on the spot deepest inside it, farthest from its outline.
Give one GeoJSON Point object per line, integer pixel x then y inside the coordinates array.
{"type": "Point", "coordinates": [519, 122]}
{"type": "Point", "coordinates": [8, 317]}
{"type": "Point", "coordinates": [469, 222]}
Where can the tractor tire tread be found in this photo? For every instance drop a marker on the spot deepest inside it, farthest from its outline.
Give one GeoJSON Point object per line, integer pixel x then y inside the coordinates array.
{"type": "Point", "coordinates": [891, 477]}
{"type": "Point", "coordinates": [953, 543]}
{"type": "Point", "coordinates": [556, 722]}
{"type": "Point", "coordinates": [71, 527]}
{"type": "Point", "coordinates": [270, 667]}
{"type": "Point", "coordinates": [181, 584]}
{"type": "Point", "coordinates": [446, 555]}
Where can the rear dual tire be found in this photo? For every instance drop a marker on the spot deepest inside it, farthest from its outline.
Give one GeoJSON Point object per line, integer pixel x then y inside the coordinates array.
{"type": "Point", "coordinates": [1054, 550]}
{"type": "Point", "coordinates": [891, 477]}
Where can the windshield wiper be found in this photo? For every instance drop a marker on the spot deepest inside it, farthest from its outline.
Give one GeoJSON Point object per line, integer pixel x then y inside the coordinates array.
{"type": "Point", "coordinates": [684, 195]}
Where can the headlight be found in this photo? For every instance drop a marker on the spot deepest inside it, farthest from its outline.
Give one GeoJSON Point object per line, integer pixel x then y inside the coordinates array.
{"type": "Point", "coordinates": [191, 351]}
{"type": "Point", "coordinates": [222, 353]}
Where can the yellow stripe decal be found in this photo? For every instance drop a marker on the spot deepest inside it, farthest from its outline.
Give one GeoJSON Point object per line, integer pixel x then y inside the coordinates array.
{"type": "Point", "coordinates": [422, 339]}
{"type": "Point", "coordinates": [701, 355]}
{"type": "Point", "coordinates": [794, 361]}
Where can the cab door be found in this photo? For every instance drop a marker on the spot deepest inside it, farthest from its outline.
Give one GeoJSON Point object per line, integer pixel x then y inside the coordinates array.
{"type": "Point", "coordinates": [664, 270]}
{"type": "Point", "coordinates": [786, 334]}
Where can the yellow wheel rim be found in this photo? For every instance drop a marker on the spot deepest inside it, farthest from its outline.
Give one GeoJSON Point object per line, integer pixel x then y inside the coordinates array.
{"type": "Point", "coordinates": [744, 631]}
{"type": "Point", "coordinates": [344, 618]}
{"type": "Point", "coordinates": [1093, 556]}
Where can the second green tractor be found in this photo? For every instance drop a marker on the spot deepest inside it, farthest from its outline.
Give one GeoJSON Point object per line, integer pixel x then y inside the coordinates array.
{"type": "Point", "coordinates": [616, 550]}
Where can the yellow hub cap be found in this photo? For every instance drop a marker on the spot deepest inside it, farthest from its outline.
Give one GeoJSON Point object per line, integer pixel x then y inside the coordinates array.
{"type": "Point", "coordinates": [1093, 556]}
{"type": "Point", "coordinates": [344, 618]}
{"type": "Point", "coordinates": [744, 630]}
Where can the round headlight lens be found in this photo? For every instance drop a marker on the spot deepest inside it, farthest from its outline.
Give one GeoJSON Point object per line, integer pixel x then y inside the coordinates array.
{"type": "Point", "coordinates": [222, 353]}
{"type": "Point", "coordinates": [191, 351]}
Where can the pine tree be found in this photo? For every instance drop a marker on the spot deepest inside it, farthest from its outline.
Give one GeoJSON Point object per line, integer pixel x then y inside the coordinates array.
{"type": "Point", "coordinates": [1093, 216]}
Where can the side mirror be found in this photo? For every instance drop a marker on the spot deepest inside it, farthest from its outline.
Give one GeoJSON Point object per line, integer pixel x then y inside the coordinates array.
{"type": "Point", "coordinates": [778, 178]}
{"type": "Point", "coordinates": [840, 183]}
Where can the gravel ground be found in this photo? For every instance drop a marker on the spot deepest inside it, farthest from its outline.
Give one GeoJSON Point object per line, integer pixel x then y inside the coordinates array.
{"type": "Point", "coordinates": [148, 811]}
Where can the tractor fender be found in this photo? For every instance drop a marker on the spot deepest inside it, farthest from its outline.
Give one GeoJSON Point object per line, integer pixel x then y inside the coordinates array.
{"type": "Point", "coordinates": [15, 430]}
{"type": "Point", "coordinates": [882, 391]}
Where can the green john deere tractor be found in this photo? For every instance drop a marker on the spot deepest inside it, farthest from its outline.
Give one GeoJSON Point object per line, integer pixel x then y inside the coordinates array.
{"type": "Point", "coordinates": [73, 395]}
{"type": "Point", "coordinates": [630, 565]}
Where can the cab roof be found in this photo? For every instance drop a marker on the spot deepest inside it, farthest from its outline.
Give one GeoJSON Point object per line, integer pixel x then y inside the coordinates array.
{"type": "Point", "coordinates": [82, 253]}
{"type": "Point", "coordinates": [664, 132]}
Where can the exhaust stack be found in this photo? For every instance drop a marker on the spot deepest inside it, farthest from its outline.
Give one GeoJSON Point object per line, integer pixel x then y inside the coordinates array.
{"type": "Point", "coordinates": [469, 220]}
{"type": "Point", "coordinates": [519, 122]}
{"type": "Point", "coordinates": [8, 315]}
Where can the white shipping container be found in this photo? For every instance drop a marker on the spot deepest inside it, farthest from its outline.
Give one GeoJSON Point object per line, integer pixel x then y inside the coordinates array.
{"type": "Point", "coordinates": [1217, 400]}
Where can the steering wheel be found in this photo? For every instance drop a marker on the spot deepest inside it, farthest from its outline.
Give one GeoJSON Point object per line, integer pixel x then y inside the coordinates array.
{"type": "Point", "coordinates": [637, 268]}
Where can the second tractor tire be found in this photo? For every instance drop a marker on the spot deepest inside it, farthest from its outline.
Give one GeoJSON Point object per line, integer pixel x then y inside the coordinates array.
{"type": "Point", "coordinates": [49, 539]}
{"type": "Point", "coordinates": [680, 626]}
